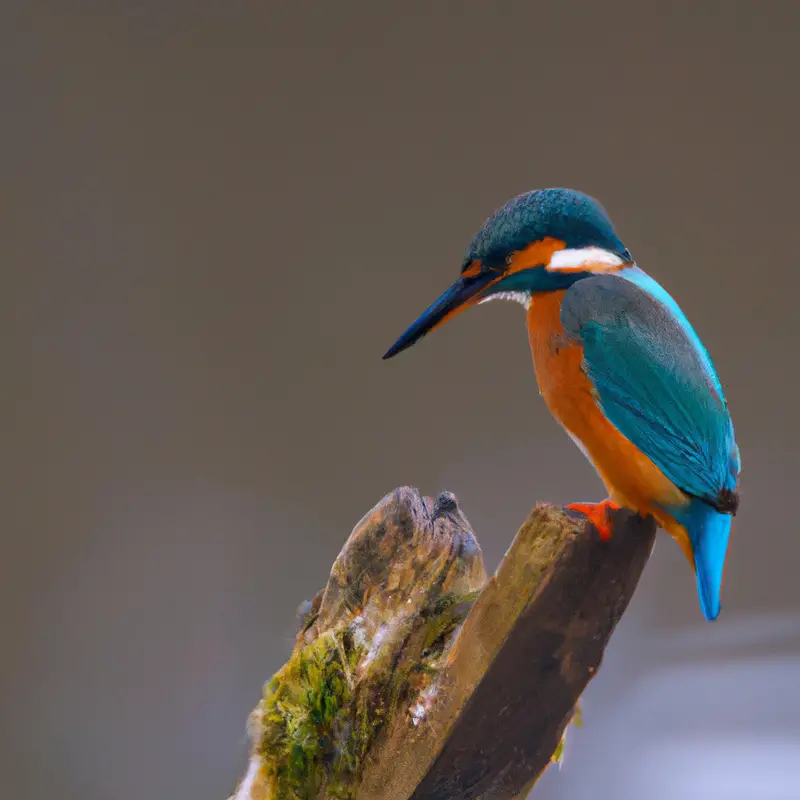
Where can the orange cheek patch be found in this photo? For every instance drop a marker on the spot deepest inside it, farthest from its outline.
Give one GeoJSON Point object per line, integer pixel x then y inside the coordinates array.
{"type": "Point", "coordinates": [472, 270]}
{"type": "Point", "coordinates": [536, 254]}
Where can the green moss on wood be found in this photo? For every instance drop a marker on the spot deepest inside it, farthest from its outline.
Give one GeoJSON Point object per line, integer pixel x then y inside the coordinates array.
{"type": "Point", "coordinates": [301, 715]}
{"type": "Point", "coordinates": [321, 713]}
{"type": "Point", "coordinates": [401, 659]}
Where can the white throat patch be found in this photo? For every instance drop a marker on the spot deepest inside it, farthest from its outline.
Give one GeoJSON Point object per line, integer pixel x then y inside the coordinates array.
{"type": "Point", "coordinates": [517, 297]}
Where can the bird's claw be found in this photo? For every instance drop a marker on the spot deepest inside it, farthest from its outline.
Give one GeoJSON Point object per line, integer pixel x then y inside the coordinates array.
{"type": "Point", "coordinates": [599, 514]}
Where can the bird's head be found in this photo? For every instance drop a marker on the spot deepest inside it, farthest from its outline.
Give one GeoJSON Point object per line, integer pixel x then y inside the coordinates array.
{"type": "Point", "coordinates": [540, 241]}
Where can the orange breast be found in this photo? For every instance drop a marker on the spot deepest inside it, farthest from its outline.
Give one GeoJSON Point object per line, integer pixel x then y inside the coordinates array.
{"type": "Point", "coordinates": [631, 478]}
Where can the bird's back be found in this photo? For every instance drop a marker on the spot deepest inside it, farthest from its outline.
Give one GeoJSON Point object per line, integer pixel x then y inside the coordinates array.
{"type": "Point", "coordinates": [654, 379]}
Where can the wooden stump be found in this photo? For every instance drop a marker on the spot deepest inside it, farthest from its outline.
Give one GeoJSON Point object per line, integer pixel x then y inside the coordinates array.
{"type": "Point", "coordinates": [414, 677]}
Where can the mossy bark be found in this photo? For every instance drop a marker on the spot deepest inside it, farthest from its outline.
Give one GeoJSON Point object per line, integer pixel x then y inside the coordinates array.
{"type": "Point", "coordinates": [414, 677]}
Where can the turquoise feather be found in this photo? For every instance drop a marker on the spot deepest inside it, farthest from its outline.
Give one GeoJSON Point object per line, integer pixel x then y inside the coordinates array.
{"type": "Point", "coordinates": [656, 384]}
{"type": "Point", "coordinates": [654, 381]}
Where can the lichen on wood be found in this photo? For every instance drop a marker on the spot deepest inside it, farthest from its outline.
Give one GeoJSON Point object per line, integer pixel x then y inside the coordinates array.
{"type": "Point", "coordinates": [414, 677]}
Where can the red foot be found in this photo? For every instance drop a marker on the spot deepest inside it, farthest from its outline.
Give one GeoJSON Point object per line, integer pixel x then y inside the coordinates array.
{"type": "Point", "coordinates": [598, 514]}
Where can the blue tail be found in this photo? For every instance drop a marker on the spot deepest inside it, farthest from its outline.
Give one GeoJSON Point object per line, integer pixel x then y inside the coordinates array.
{"type": "Point", "coordinates": [709, 532]}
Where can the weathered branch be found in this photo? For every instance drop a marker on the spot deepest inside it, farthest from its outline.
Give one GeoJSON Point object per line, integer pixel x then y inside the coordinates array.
{"type": "Point", "coordinates": [414, 677]}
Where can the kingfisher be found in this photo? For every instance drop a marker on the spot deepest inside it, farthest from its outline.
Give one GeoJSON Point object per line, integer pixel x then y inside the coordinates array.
{"type": "Point", "coordinates": [618, 365]}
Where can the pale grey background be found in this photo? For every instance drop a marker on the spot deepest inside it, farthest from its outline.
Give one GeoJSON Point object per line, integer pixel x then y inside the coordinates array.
{"type": "Point", "coordinates": [215, 219]}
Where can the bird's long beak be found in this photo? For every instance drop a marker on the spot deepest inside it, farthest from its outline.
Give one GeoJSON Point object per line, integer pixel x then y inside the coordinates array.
{"type": "Point", "coordinates": [465, 292]}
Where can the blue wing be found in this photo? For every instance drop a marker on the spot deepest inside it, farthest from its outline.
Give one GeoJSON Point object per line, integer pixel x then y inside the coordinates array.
{"type": "Point", "coordinates": [654, 379]}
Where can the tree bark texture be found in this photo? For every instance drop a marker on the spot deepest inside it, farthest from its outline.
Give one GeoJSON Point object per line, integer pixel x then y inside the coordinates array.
{"type": "Point", "coordinates": [416, 678]}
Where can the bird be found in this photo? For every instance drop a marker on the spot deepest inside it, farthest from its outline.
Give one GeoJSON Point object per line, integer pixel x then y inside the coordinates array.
{"type": "Point", "coordinates": [619, 366]}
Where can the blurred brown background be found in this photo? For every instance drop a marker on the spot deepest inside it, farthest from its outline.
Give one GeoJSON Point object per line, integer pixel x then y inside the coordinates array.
{"type": "Point", "coordinates": [215, 219]}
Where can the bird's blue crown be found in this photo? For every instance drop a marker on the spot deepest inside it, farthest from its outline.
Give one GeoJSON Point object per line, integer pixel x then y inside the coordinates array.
{"type": "Point", "coordinates": [563, 214]}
